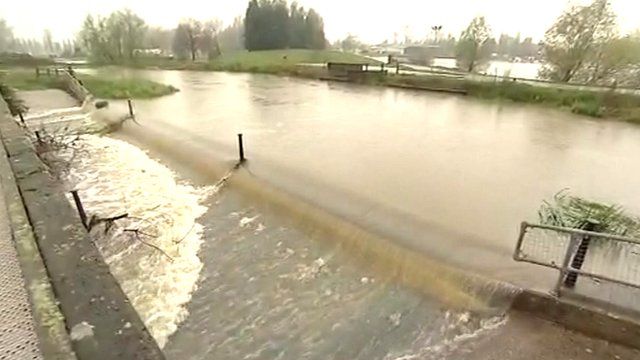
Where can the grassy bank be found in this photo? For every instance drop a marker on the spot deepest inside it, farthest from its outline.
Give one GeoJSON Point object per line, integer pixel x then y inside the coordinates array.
{"type": "Point", "coordinates": [596, 104]}
{"type": "Point", "coordinates": [270, 61]}
{"type": "Point", "coordinates": [101, 87]}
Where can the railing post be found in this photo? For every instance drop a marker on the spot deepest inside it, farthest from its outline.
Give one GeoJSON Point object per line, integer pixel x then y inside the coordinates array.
{"type": "Point", "coordinates": [397, 67]}
{"type": "Point", "coordinates": [241, 149]}
{"type": "Point", "coordinates": [580, 255]}
{"type": "Point", "coordinates": [571, 248]}
{"type": "Point", "coordinates": [81, 212]}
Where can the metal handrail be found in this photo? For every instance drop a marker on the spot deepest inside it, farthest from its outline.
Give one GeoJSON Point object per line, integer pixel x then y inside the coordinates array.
{"type": "Point", "coordinates": [566, 268]}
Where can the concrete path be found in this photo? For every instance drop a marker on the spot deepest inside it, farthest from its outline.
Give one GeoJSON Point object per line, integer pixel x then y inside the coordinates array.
{"type": "Point", "coordinates": [18, 339]}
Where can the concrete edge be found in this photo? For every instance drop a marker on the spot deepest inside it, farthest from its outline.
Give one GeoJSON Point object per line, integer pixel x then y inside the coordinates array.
{"type": "Point", "coordinates": [95, 308]}
{"type": "Point", "coordinates": [49, 322]}
{"type": "Point", "coordinates": [581, 317]}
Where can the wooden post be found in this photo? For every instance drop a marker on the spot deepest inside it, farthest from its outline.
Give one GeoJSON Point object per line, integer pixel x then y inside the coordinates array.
{"type": "Point", "coordinates": [37, 71]}
{"type": "Point", "coordinates": [241, 148]}
{"type": "Point", "coordinates": [382, 68]}
{"type": "Point", "coordinates": [397, 67]}
{"type": "Point", "coordinates": [38, 137]}
{"type": "Point", "coordinates": [130, 108]}
{"type": "Point", "coordinates": [22, 119]}
{"type": "Point", "coordinates": [57, 72]}
{"type": "Point", "coordinates": [81, 212]}
{"type": "Point", "coordinates": [48, 72]}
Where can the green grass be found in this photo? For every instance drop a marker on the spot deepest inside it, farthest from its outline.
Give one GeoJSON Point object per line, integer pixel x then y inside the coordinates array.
{"type": "Point", "coordinates": [268, 61]}
{"type": "Point", "coordinates": [125, 88]}
{"type": "Point", "coordinates": [583, 102]}
{"type": "Point", "coordinates": [101, 87]}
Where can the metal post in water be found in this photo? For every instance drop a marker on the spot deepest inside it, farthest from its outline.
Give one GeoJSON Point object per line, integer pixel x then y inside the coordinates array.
{"type": "Point", "coordinates": [22, 119]}
{"type": "Point", "coordinates": [241, 148]}
{"type": "Point", "coordinates": [130, 108]}
{"type": "Point", "coordinates": [397, 67]}
{"type": "Point", "coordinates": [38, 137]}
{"type": "Point", "coordinates": [37, 71]}
{"type": "Point", "coordinates": [579, 257]}
{"type": "Point", "coordinates": [81, 212]}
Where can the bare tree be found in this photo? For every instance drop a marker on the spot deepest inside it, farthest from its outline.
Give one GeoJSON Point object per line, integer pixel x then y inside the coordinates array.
{"type": "Point", "coordinates": [576, 39]}
{"type": "Point", "coordinates": [472, 51]}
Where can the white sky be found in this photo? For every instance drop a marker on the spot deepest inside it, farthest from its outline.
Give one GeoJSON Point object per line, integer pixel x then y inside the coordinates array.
{"type": "Point", "coordinates": [364, 18]}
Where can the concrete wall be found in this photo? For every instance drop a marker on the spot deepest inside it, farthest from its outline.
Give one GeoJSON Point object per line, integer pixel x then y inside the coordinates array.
{"type": "Point", "coordinates": [86, 291]}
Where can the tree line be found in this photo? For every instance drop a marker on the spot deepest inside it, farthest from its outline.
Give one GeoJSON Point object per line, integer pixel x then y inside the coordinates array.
{"type": "Point", "coordinates": [271, 24]}
{"type": "Point", "coordinates": [41, 47]}
{"type": "Point", "coordinates": [582, 46]}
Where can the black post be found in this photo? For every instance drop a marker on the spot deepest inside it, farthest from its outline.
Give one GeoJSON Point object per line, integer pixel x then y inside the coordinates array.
{"type": "Point", "coordinates": [22, 119]}
{"type": "Point", "coordinates": [130, 108]}
{"type": "Point", "coordinates": [48, 72]}
{"type": "Point", "coordinates": [37, 71]}
{"type": "Point", "coordinates": [578, 260]}
{"type": "Point", "coordinates": [241, 148]}
{"type": "Point", "coordinates": [397, 67]}
{"type": "Point", "coordinates": [57, 72]}
{"type": "Point", "coordinates": [38, 137]}
{"type": "Point", "coordinates": [81, 212]}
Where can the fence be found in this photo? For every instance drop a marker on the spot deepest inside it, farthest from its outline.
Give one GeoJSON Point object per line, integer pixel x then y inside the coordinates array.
{"type": "Point", "coordinates": [580, 253]}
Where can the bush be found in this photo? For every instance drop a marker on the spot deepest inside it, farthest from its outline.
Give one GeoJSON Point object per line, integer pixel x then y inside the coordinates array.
{"type": "Point", "coordinates": [589, 108]}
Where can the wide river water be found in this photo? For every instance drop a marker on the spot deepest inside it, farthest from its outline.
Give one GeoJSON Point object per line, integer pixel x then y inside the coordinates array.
{"type": "Point", "coordinates": [449, 176]}
{"type": "Point", "coordinates": [471, 168]}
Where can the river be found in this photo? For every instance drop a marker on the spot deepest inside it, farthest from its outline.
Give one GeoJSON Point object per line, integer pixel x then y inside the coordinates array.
{"type": "Point", "coordinates": [411, 161]}
{"type": "Point", "coordinates": [445, 175]}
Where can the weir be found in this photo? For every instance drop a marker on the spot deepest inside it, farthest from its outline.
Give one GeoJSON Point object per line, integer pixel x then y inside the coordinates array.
{"type": "Point", "coordinates": [268, 258]}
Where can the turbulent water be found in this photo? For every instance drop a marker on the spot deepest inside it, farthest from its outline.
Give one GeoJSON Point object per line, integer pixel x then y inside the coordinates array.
{"type": "Point", "coordinates": [153, 253]}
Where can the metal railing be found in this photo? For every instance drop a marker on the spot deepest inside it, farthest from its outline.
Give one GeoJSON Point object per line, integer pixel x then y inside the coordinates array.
{"type": "Point", "coordinates": [574, 253]}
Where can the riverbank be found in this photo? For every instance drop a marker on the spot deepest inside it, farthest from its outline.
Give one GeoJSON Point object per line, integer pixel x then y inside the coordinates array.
{"type": "Point", "coordinates": [100, 86]}
{"type": "Point", "coordinates": [592, 103]}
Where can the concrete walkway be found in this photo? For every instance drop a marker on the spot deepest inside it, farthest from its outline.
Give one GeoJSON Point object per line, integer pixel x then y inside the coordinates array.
{"type": "Point", "coordinates": [18, 339]}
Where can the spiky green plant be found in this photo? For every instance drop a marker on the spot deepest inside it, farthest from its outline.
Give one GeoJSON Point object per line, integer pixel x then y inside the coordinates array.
{"type": "Point", "coordinates": [574, 212]}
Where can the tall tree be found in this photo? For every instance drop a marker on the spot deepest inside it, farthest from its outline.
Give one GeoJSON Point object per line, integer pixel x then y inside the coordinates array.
{"type": "Point", "coordinates": [6, 36]}
{"type": "Point", "coordinates": [185, 41]}
{"type": "Point", "coordinates": [47, 41]}
{"type": "Point", "coordinates": [576, 37]}
{"type": "Point", "coordinates": [232, 37]}
{"type": "Point", "coordinates": [315, 31]}
{"type": "Point", "coordinates": [472, 50]}
{"type": "Point", "coordinates": [270, 24]}
{"type": "Point", "coordinates": [113, 38]}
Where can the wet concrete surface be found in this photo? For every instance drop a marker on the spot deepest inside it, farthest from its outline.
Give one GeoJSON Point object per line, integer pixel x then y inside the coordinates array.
{"type": "Point", "coordinates": [44, 100]}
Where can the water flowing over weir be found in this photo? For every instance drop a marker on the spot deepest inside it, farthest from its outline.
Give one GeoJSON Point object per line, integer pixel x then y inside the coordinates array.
{"type": "Point", "coordinates": [115, 178]}
{"type": "Point", "coordinates": [270, 288]}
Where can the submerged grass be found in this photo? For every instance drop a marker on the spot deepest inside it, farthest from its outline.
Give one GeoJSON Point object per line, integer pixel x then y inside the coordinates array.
{"type": "Point", "coordinates": [570, 211]}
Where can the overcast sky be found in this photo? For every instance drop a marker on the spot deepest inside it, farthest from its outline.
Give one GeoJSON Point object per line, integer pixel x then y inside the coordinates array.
{"type": "Point", "coordinates": [372, 21]}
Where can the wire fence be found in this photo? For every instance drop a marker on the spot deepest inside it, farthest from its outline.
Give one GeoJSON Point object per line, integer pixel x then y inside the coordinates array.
{"type": "Point", "coordinates": [588, 262]}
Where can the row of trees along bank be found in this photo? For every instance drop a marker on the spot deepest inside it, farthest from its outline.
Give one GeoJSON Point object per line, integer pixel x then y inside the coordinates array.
{"type": "Point", "coordinates": [582, 46]}
{"type": "Point", "coordinates": [268, 24]}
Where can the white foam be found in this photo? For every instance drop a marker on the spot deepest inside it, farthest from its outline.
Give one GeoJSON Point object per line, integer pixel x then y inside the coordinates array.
{"type": "Point", "coordinates": [113, 178]}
